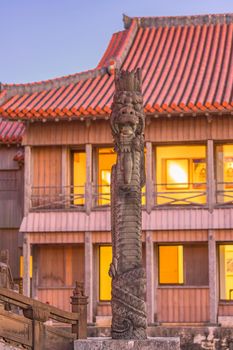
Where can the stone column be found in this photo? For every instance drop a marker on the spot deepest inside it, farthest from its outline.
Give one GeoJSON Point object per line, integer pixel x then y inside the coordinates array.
{"type": "Point", "coordinates": [149, 178]}
{"type": "Point", "coordinates": [211, 196]}
{"type": "Point", "coordinates": [213, 295]}
{"type": "Point", "coordinates": [150, 283]}
{"type": "Point", "coordinates": [26, 265]}
{"type": "Point", "coordinates": [88, 185]}
{"type": "Point", "coordinates": [27, 179]}
{"type": "Point", "coordinates": [89, 275]}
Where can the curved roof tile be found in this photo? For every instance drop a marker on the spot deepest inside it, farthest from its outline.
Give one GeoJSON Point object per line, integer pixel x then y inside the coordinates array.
{"type": "Point", "coordinates": [11, 132]}
{"type": "Point", "coordinates": [186, 62]}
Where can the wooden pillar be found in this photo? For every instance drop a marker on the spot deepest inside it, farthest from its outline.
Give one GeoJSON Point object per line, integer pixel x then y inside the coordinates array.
{"type": "Point", "coordinates": [211, 196]}
{"type": "Point", "coordinates": [65, 176]}
{"type": "Point", "coordinates": [149, 178]}
{"type": "Point", "coordinates": [89, 275]}
{"type": "Point", "coordinates": [26, 265]}
{"type": "Point", "coordinates": [150, 281]}
{"type": "Point", "coordinates": [213, 295]}
{"type": "Point", "coordinates": [88, 185]}
{"type": "Point", "coordinates": [27, 179]}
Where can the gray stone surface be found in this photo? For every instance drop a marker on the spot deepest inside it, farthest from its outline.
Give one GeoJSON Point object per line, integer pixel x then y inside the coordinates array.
{"type": "Point", "coordinates": [122, 344]}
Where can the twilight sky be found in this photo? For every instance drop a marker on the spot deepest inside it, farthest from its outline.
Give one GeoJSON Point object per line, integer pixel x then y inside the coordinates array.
{"type": "Point", "coordinates": [43, 39]}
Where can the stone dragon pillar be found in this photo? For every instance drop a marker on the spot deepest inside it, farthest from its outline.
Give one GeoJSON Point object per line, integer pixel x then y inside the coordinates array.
{"type": "Point", "coordinates": [128, 177]}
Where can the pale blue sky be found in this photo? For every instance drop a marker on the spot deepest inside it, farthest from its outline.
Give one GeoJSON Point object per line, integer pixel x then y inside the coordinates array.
{"type": "Point", "coordinates": [43, 39]}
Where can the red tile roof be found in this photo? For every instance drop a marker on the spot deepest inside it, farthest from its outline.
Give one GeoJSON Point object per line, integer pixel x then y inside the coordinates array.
{"type": "Point", "coordinates": [187, 67]}
{"type": "Point", "coordinates": [11, 132]}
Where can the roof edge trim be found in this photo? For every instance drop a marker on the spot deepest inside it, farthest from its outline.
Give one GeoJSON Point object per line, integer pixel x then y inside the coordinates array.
{"type": "Point", "coordinates": [174, 21]}
{"type": "Point", "coordinates": [29, 88]}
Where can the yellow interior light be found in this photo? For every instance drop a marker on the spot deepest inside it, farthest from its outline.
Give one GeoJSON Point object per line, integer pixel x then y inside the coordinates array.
{"type": "Point", "coordinates": [177, 173]}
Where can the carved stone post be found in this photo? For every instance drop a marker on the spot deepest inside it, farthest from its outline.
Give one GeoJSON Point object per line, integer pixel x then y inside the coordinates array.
{"type": "Point", "coordinates": [79, 304]}
{"type": "Point", "coordinates": [128, 177]}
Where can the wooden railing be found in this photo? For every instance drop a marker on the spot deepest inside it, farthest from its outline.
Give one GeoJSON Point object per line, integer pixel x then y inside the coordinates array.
{"type": "Point", "coordinates": [86, 197]}
{"type": "Point", "coordinates": [29, 328]}
{"type": "Point", "coordinates": [192, 194]}
{"type": "Point", "coordinates": [224, 193]}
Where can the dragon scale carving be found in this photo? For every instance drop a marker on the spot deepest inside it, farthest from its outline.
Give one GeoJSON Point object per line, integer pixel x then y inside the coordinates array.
{"type": "Point", "coordinates": [128, 177]}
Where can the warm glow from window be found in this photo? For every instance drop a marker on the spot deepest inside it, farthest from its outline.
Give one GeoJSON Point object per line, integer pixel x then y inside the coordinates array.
{"type": "Point", "coordinates": [105, 260]}
{"type": "Point", "coordinates": [79, 177]}
{"type": "Point", "coordinates": [226, 271]}
{"type": "Point", "coordinates": [177, 173]}
{"type": "Point", "coordinates": [106, 159]}
{"type": "Point", "coordinates": [171, 264]}
{"type": "Point", "coordinates": [180, 175]}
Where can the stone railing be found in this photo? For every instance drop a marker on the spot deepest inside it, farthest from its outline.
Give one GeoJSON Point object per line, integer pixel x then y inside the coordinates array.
{"type": "Point", "coordinates": [30, 328]}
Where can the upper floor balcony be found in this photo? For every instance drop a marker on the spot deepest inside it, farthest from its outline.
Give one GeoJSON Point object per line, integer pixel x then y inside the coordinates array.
{"type": "Point", "coordinates": [183, 176]}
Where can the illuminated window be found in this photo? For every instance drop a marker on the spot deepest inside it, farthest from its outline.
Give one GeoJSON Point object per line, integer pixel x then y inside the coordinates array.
{"type": "Point", "coordinates": [184, 264]}
{"type": "Point", "coordinates": [181, 175]}
{"type": "Point", "coordinates": [105, 259]}
{"type": "Point", "coordinates": [170, 264]}
{"type": "Point", "coordinates": [225, 173]}
{"type": "Point", "coordinates": [79, 177]}
{"type": "Point", "coordinates": [106, 159]}
{"type": "Point", "coordinates": [226, 271]}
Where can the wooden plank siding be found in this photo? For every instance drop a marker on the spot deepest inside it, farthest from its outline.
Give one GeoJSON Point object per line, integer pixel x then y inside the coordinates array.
{"type": "Point", "coordinates": [47, 175]}
{"type": "Point", "coordinates": [59, 297]}
{"type": "Point", "coordinates": [57, 238]}
{"type": "Point", "coordinates": [11, 189]}
{"type": "Point", "coordinates": [174, 129]}
{"type": "Point", "coordinates": [180, 236]}
{"type": "Point", "coordinates": [62, 265]}
{"type": "Point", "coordinates": [183, 304]}
{"type": "Point", "coordinates": [9, 239]}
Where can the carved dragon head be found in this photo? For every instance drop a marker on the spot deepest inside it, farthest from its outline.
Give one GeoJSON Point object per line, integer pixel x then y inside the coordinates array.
{"type": "Point", "coordinates": [127, 118]}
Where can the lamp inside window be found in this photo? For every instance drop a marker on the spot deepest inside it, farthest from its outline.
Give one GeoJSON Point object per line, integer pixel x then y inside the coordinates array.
{"type": "Point", "coordinates": [177, 174]}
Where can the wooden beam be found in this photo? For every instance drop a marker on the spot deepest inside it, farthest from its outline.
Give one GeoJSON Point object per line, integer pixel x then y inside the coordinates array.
{"type": "Point", "coordinates": [89, 274]}
{"type": "Point", "coordinates": [27, 179]}
{"type": "Point", "coordinates": [213, 295]}
{"type": "Point", "coordinates": [65, 175]}
{"type": "Point", "coordinates": [88, 185]}
{"type": "Point", "coordinates": [211, 190]}
{"type": "Point", "coordinates": [26, 265]}
{"type": "Point", "coordinates": [149, 178]}
{"type": "Point", "coordinates": [150, 283]}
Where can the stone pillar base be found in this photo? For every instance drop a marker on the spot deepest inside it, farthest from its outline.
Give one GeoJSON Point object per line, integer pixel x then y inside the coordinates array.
{"type": "Point", "coordinates": [116, 344]}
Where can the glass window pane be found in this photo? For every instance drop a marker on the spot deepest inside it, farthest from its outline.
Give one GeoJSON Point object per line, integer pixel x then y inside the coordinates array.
{"type": "Point", "coordinates": [106, 159]}
{"type": "Point", "coordinates": [171, 264]}
{"type": "Point", "coordinates": [181, 175]}
{"type": "Point", "coordinates": [226, 271]}
{"type": "Point", "coordinates": [105, 254]}
{"type": "Point", "coordinates": [79, 177]}
{"type": "Point", "coordinates": [224, 162]}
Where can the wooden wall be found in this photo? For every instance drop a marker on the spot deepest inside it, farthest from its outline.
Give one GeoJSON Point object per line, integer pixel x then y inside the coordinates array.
{"type": "Point", "coordinates": [163, 129]}
{"type": "Point", "coordinates": [47, 176]}
{"type": "Point", "coordinates": [11, 189]}
{"type": "Point", "coordinates": [57, 267]}
{"type": "Point", "coordinates": [183, 304]}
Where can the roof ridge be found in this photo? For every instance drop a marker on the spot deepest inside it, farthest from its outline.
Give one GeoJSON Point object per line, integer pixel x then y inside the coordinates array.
{"type": "Point", "coordinates": [115, 61]}
{"type": "Point", "coordinates": [170, 21]}
{"type": "Point", "coordinates": [21, 89]}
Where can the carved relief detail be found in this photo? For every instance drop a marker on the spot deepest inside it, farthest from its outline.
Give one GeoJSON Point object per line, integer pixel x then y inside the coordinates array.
{"type": "Point", "coordinates": [128, 177]}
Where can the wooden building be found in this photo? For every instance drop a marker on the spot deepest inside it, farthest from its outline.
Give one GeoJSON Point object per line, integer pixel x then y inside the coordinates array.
{"type": "Point", "coordinates": [11, 190]}
{"type": "Point", "coordinates": [187, 70]}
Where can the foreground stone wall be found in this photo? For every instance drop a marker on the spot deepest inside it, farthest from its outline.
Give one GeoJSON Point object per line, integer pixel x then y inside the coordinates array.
{"type": "Point", "coordinates": [197, 338]}
{"type": "Point", "coordinates": [191, 338]}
